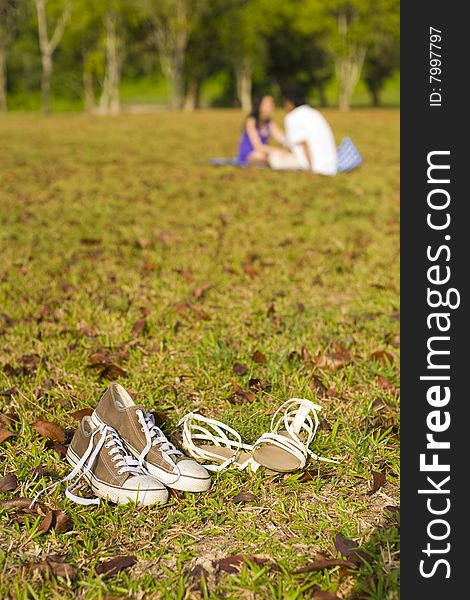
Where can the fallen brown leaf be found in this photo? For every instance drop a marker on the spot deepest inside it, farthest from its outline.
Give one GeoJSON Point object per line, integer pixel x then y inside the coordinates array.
{"type": "Point", "coordinates": [49, 430]}
{"type": "Point", "coordinates": [259, 358]}
{"type": "Point", "coordinates": [8, 483]}
{"type": "Point", "coordinates": [317, 386]}
{"type": "Point", "coordinates": [139, 327]}
{"type": "Point", "coordinates": [109, 371]}
{"type": "Point", "coordinates": [200, 292]}
{"type": "Point", "coordinates": [379, 480]}
{"type": "Point", "coordinates": [240, 396]}
{"type": "Point", "coordinates": [46, 523]}
{"type": "Point", "coordinates": [350, 549]}
{"type": "Point", "coordinates": [322, 595]}
{"type": "Point", "coordinates": [233, 564]}
{"type": "Point", "coordinates": [82, 412]}
{"type": "Point", "coordinates": [382, 356]}
{"type": "Point", "coordinates": [259, 385]}
{"type": "Point", "coordinates": [10, 392]}
{"type": "Point", "coordinates": [239, 369]}
{"type": "Point", "coordinates": [13, 503]}
{"type": "Point", "coordinates": [57, 447]}
{"type": "Point", "coordinates": [243, 497]}
{"type": "Point", "coordinates": [5, 434]}
{"type": "Point", "coordinates": [56, 566]}
{"type": "Point", "coordinates": [109, 568]}
{"type": "Point", "coordinates": [321, 563]}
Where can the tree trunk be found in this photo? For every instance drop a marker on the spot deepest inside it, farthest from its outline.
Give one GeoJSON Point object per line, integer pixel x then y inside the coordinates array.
{"type": "Point", "coordinates": [322, 95]}
{"type": "Point", "coordinates": [110, 100]}
{"type": "Point", "coordinates": [243, 76]}
{"type": "Point", "coordinates": [375, 93]}
{"type": "Point", "coordinates": [88, 92]}
{"type": "Point", "coordinates": [192, 94]}
{"type": "Point", "coordinates": [46, 61]}
{"type": "Point", "coordinates": [177, 82]}
{"type": "Point", "coordinates": [348, 65]}
{"type": "Point", "coordinates": [3, 80]}
{"type": "Point", "coordinates": [47, 47]}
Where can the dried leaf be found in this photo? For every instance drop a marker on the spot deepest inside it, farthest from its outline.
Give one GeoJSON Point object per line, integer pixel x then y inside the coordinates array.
{"type": "Point", "coordinates": [10, 392]}
{"type": "Point", "coordinates": [46, 523]}
{"type": "Point", "coordinates": [321, 563]}
{"type": "Point", "coordinates": [55, 565]}
{"type": "Point", "coordinates": [61, 521]}
{"type": "Point", "coordinates": [187, 276]}
{"type": "Point", "coordinates": [149, 266]}
{"type": "Point", "coordinates": [14, 503]}
{"type": "Point", "coordinates": [8, 483]}
{"type": "Point", "coordinates": [239, 369]}
{"type": "Point", "coordinates": [5, 434]}
{"type": "Point", "coordinates": [233, 564]}
{"type": "Point", "coordinates": [109, 568]}
{"type": "Point", "coordinates": [139, 327]}
{"type": "Point", "coordinates": [49, 430]}
{"type": "Point", "coordinates": [305, 355]}
{"type": "Point", "coordinates": [382, 356]}
{"type": "Point", "coordinates": [350, 549]}
{"type": "Point", "coordinates": [333, 360]}
{"type": "Point", "coordinates": [317, 386]}
{"type": "Point", "coordinates": [259, 385]}
{"type": "Point", "coordinates": [241, 396]}
{"type": "Point", "coordinates": [384, 383]}
{"type": "Point", "coordinates": [30, 361]}
{"type": "Point", "coordinates": [197, 577]}
{"type": "Point", "coordinates": [250, 270]}
{"type": "Point", "coordinates": [7, 420]}
{"type": "Point", "coordinates": [62, 569]}
{"type": "Point", "coordinates": [243, 497]}
{"type": "Point", "coordinates": [259, 358]}
{"type": "Point", "coordinates": [109, 371]}
{"type": "Point", "coordinates": [200, 292]}
{"type": "Point", "coordinates": [57, 447]}
{"type": "Point", "coordinates": [379, 480]}
{"type": "Point", "coordinates": [322, 595]}
{"type": "Point", "coordinates": [82, 412]}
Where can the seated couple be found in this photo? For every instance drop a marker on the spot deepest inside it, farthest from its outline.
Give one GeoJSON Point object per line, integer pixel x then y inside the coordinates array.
{"type": "Point", "coordinates": [308, 141]}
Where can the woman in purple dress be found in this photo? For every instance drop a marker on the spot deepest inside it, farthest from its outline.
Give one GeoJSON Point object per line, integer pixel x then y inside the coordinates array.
{"type": "Point", "coordinates": [258, 128]}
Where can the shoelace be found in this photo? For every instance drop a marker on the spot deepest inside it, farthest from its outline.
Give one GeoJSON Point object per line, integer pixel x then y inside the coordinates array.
{"type": "Point", "coordinates": [296, 417]}
{"type": "Point", "coordinates": [154, 436]}
{"type": "Point", "coordinates": [123, 461]}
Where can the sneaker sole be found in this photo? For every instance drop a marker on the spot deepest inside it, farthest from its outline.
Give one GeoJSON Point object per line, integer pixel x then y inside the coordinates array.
{"type": "Point", "coordinates": [117, 494]}
{"type": "Point", "coordinates": [185, 483]}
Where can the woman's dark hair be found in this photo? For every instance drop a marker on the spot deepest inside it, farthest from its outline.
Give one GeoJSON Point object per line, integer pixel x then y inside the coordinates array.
{"type": "Point", "coordinates": [256, 108]}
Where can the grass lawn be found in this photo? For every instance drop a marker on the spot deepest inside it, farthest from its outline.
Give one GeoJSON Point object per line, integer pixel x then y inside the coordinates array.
{"type": "Point", "coordinates": [125, 255]}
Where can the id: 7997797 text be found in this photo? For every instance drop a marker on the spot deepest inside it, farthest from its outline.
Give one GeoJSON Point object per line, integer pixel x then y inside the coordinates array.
{"type": "Point", "coordinates": [435, 64]}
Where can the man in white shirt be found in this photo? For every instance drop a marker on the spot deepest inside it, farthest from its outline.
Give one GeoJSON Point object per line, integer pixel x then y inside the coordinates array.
{"type": "Point", "coordinates": [309, 137]}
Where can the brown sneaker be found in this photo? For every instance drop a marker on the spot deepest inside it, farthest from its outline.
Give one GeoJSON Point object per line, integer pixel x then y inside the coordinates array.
{"type": "Point", "coordinates": [99, 456]}
{"type": "Point", "coordinates": [147, 442]}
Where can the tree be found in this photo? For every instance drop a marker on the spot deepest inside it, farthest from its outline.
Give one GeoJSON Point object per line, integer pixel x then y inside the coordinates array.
{"type": "Point", "coordinates": [9, 15]}
{"type": "Point", "coordinates": [48, 46]}
{"type": "Point", "coordinates": [173, 22]}
{"type": "Point", "coordinates": [382, 60]}
{"type": "Point", "coordinates": [240, 28]}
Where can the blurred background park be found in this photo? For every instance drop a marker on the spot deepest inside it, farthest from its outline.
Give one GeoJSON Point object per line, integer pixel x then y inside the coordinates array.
{"type": "Point", "coordinates": [111, 56]}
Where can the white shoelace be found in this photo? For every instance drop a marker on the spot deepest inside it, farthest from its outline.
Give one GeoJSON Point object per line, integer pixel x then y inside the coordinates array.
{"type": "Point", "coordinates": [123, 462]}
{"type": "Point", "coordinates": [296, 418]}
{"type": "Point", "coordinates": [154, 436]}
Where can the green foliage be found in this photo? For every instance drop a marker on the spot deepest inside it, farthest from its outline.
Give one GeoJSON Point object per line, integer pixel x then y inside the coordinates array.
{"type": "Point", "coordinates": [283, 40]}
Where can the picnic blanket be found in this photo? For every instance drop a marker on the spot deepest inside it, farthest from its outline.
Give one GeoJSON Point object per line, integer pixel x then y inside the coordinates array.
{"type": "Point", "coordinates": [349, 158]}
